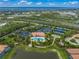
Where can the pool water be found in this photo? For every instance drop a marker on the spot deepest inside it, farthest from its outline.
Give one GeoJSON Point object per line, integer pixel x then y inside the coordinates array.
{"type": "Point", "coordinates": [38, 38]}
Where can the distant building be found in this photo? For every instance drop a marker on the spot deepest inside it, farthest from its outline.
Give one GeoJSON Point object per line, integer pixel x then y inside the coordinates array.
{"type": "Point", "coordinates": [4, 49]}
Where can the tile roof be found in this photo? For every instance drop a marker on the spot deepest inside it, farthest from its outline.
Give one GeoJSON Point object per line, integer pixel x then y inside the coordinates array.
{"type": "Point", "coordinates": [74, 53]}
{"type": "Point", "coordinates": [2, 48]}
{"type": "Point", "coordinates": [38, 34]}
{"type": "Point", "coordinates": [75, 56]}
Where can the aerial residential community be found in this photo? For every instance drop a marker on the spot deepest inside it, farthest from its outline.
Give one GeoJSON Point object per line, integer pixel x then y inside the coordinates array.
{"type": "Point", "coordinates": [39, 32]}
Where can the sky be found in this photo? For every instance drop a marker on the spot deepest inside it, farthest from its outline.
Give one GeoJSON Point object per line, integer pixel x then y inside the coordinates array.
{"type": "Point", "coordinates": [39, 3]}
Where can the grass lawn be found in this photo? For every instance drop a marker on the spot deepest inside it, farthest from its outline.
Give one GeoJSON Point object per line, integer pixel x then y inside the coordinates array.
{"type": "Point", "coordinates": [9, 54]}
{"type": "Point", "coordinates": [63, 53]}
{"type": "Point", "coordinates": [60, 51]}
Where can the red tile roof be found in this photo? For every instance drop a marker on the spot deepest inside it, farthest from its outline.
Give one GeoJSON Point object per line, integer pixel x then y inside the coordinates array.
{"type": "Point", "coordinates": [2, 48]}
{"type": "Point", "coordinates": [75, 56]}
{"type": "Point", "coordinates": [74, 53]}
{"type": "Point", "coordinates": [38, 34]}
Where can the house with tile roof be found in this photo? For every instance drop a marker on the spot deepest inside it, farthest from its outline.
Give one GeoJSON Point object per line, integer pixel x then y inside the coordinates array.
{"type": "Point", "coordinates": [74, 53]}
{"type": "Point", "coordinates": [4, 49]}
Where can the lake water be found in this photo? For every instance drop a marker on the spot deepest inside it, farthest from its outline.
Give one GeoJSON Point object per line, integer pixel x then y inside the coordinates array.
{"type": "Point", "coordinates": [20, 54]}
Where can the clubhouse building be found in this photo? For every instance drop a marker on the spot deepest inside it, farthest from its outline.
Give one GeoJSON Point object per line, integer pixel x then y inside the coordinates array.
{"type": "Point", "coordinates": [38, 36]}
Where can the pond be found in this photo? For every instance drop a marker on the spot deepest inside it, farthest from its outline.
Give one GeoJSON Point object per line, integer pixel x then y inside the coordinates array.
{"type": "Point", "coordinates": [20, 54]}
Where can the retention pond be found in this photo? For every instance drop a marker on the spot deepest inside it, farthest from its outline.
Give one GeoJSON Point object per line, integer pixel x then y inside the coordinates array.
{"type": "Point", "coordinates": [21, 54]}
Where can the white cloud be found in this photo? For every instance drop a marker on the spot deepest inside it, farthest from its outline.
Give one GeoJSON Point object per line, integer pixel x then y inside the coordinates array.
{"type": "Point", "coordinates": [74, 2]}
{"type": "Point", "coordinates": [1, 2]}
{"type": "Point", "coordinates": [29, 3]}
{"type": "Point", "coordinates": [39, 3]}
{"type": "Point", "coordinates": [51, 4]}
{"type": "Point", "coordinates": [24, 2]}
{"type": "Point", "coordinates": [71, 3]}
{"type": "Point", "coordinates": [5, 0]}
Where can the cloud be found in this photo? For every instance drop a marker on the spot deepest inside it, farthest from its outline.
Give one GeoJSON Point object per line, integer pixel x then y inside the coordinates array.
{"type": "Point", "coordinates": [71, 3]}
{"type": "Point", "coordinates": [24, 2]}
{"type": "Point", "coordinates": [51, 4]}
{"type": "Point", "coordinates": [1, 3]}
{"type": "Point", "coordinates": [39, 3]}
{"type": "Point", "coordinates": [29, 3]}
{"type": "Point", "coordinates": [74, 2]}
{"type": "Point", "coordinates": [5, 0]}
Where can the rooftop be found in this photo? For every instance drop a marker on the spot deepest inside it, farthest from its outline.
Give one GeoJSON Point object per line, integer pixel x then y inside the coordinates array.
{"type": "Point", "coordinates": [38, 34]}
{"type": "Point", "coordinates": [76, 36]}
{"type": "Point", "coordinates": [2, 48]}
{"type": "Point", "coordinates": [45, 30]}
{"type": "Point", "coordinates": [59, 30]}
{"type": "Point", "coordinates": [74, 53]}
{"type": "Point", "coordinates": [24, 33]}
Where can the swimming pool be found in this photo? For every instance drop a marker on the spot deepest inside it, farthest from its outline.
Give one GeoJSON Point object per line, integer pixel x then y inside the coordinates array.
{"type": "Point", "coordinates": [38, 38]}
